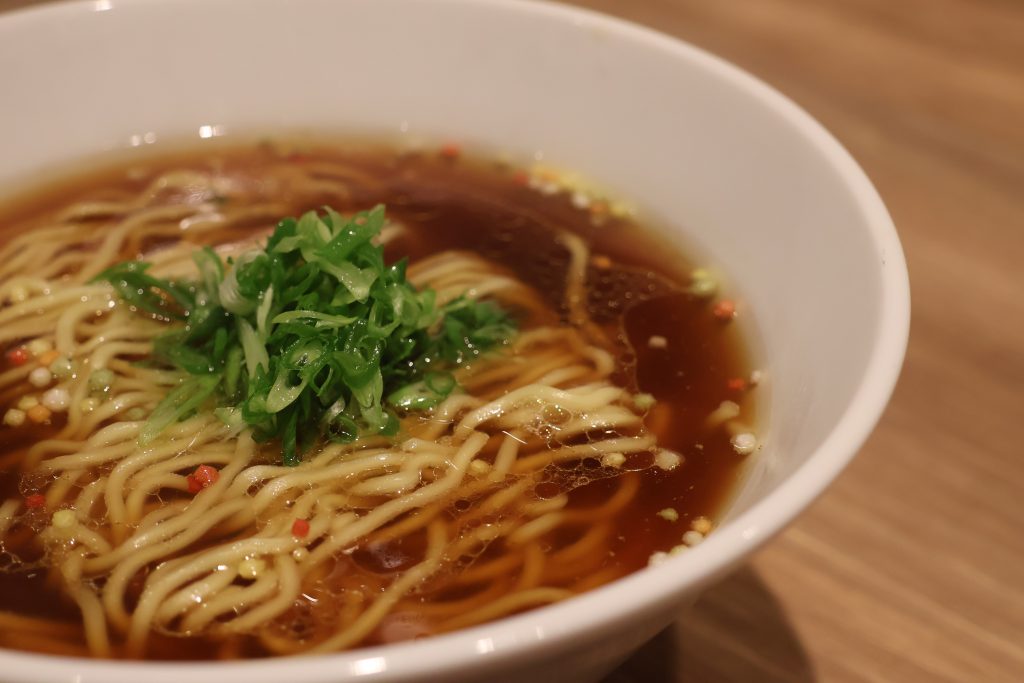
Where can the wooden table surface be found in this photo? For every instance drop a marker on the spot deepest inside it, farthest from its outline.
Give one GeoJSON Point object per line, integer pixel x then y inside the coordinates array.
{"type": "Point", "coordinates": [911, 568]}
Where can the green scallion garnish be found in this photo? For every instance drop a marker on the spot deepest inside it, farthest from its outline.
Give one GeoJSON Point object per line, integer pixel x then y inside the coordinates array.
{"type": "Point", "coordinates": [313, 337]}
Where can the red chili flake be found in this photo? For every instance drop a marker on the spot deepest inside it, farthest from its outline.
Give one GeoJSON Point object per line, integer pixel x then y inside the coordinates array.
{"type": "Point", "coordinates": [206, 475]}
{"type": "Point", "coordinates": [521, 178]}
{"type": "Point", "coordinates": [451, 151]}
{"type": "Point", "coordinates": [724, 310]}
{"type": "Point", "coordinates": [298, 157]}
{"type": "Point", "coordinates": [36, 500]}
{"type": "Point", "coordinates": [736, 384]}
{"type": "Point", "coordinates": [202, 478]}
{"type": "Point", "coordinates": [18, 356]}
{"type": "Point", "coordinates": [300, 528]}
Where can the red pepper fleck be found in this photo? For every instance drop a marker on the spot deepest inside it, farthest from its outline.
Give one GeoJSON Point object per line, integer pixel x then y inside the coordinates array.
{"type": "Point", "coordinates": [206, 475]}
{"type": "Point", "coordinates": [521, 178]}
{"type": "Point", "coordinates": [451, 151]}
{"type": "Point", "coordinates": [724, 310]}
{"type": "Point", "coordinates": [18, 356]}
{"type": "Point", "coordinates": [300, 528]}
{"type": "Point", "coordinates": [202, 478]}
{"type": "Point", "coordinates": [298, 157]}
{"type": "Point", "coordinates": [736, 384]}
{"type": "Point", "coordinates": [39, 414]}
{"type": "Point", "coordinates": [36, 500]}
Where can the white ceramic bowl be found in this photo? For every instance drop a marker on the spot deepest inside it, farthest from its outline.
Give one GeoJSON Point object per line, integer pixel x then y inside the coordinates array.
{"type": "Point", "coordinates": [734, 168]}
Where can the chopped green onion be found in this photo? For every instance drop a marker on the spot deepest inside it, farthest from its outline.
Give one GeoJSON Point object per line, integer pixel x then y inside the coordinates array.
{"type": "Point", "coordinates": [312, 337]}
{"type": "Point", "coordinates": [427, 393]}
{"type": "Point", "coordinates": [177, 405]}
{"type": "Point", "coordinates": [101, 380]}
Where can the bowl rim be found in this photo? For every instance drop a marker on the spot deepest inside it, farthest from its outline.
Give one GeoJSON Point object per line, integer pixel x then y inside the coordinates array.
{"type": "Point", "coordinates": [549, 628]}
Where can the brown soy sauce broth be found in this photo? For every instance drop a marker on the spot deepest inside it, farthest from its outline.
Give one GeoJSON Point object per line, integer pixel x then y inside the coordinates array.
{"type": "Point", "coordinates": [638, 291]}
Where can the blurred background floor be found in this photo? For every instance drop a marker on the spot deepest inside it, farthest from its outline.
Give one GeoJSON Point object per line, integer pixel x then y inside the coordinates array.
{"type": "Point", "coordinates": [911, 568]}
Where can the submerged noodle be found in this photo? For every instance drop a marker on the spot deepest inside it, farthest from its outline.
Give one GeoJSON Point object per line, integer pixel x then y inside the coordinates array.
{"type": "Point", "coordinates": [489, 468]}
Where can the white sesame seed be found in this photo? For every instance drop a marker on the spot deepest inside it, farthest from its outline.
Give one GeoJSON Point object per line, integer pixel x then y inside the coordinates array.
{"type": "Point", "coordinates": [704, 288]}
{"type": "Point", "coordinates": [657, 342]}
{"type": "Point", "coordinates": [300, 554]}
{"type": "Point", "coordinates": [26, 402]}
{"type": "Point", "coordinates": [613, 460]}
{"type": "Point", "coordinates": [479, 467]}
{"type": "Point", "coordinates": [702, 284]}
{"type": "Point", "coordinates": [57, 399]}
{"type": "Point", "coordinates": [38, 347]}
{"type": "Point", "coordinates": [251, 568]}
{"type": "Point", "coordinates": [669, 514]}
{"type": "Point", "coordinates": [14, 417]}
{"type": "Point", "coordinates": [63, 519]}
{"type": "Point", "coordinates": [701, 524]}
{"type": "Point", "coordinates": [692, 538]}
{"type": "Point", "coordinates": [40, 377]}
{"type": "Point", "coordinates": [580, 200]}
{"type": "Point", "coordinates": [755, 377]}
{"type": "Point", "coordinates": [656, 558]}
{"type": "Point", "coordinates": [744, 443]}
{"type": "Point", "coordinates": [644, 401]}
{"type": "Point", "coordinates": [726, 410]}
{"type": "Point", "coordinates": [667, 460]}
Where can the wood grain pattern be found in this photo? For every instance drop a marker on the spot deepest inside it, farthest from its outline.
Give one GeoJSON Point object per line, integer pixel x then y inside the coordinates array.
{"type": "Point", "coordinates": [912, 567]}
